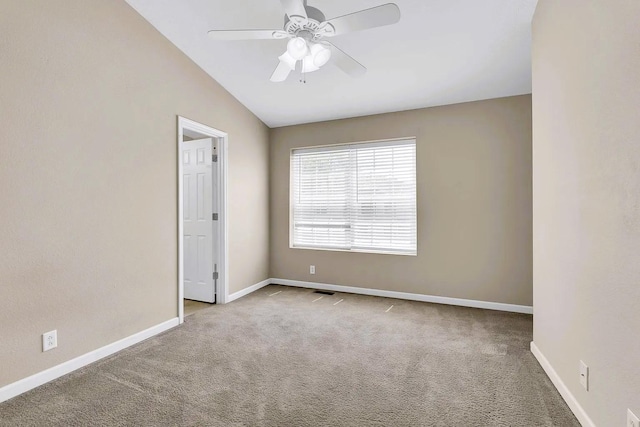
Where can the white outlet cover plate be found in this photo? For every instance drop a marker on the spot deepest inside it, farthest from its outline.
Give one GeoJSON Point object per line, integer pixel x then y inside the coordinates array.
{"type": "Point", "coordinates": [584, 375]}
{"type": "Point", "coordinates": [312, 269]}
{"type": "Point", "coordinates": [49, 340]}
{"type": "Point", "coordinates": [632, 420]}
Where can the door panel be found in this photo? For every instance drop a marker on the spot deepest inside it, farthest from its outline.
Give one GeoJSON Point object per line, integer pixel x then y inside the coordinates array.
{"type": "Point", "coordinates": [186, 195]}
{"type": "Point", "coordinates": [199, 258]}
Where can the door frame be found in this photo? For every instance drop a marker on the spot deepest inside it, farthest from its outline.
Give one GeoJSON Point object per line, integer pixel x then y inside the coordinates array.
{"type": "Point", "coordinates": [221, 226]}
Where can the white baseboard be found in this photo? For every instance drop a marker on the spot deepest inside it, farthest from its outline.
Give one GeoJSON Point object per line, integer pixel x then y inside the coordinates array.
{"type": "Point", "coordinates": [408, 296]}
{"type": "Point", "coordinates": [568, 397]}
{"type": "Point", "coordinates": [234, 296]}
{"type": "Point", "coordinates": [26, 384]}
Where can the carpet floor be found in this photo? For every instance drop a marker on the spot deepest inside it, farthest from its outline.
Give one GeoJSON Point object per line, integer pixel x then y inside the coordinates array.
{"type": "Point", "coordinates": [282, 357]}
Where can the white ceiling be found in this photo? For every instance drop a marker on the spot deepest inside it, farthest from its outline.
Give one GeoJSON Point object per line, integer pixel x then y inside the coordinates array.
{"type": "Point", "coordinates": [441, 52]}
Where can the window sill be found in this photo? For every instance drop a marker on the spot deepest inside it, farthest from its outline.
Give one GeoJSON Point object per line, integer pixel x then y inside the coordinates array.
{"type": "Point", "coordinates": [361, 251]}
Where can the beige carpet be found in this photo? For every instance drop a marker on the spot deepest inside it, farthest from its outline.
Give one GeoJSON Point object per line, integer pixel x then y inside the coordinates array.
{"type": "Point", "coordinates": [292, 360]}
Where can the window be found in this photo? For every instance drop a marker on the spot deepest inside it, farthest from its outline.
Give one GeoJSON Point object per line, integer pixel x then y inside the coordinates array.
{"type": "Point", "coordinates": [358, 197]}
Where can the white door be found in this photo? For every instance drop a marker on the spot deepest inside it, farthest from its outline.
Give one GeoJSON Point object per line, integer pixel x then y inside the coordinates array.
{"type": "Point", "coordinates": [200, 259]}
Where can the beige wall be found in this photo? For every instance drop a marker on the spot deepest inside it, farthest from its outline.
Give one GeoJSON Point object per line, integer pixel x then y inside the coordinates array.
{"type": "Point", "coordinates": [474, 203]}
{"type": "Point", "coordinates": [586, 200]}
{"type": "Point", "coordinates": [89, 94]}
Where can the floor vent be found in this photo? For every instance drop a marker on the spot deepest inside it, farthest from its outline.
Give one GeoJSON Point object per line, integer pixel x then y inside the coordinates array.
{"type": "Point", "coordinates": [324, 292]}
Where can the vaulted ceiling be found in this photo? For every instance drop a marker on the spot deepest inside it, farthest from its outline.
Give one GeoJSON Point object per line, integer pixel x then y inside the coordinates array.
{"type": "Point", "coordinates": [440, 52]}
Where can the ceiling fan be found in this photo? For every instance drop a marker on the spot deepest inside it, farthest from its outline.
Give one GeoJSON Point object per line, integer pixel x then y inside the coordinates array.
{"type": "Point", "coordinates": [306, 28]}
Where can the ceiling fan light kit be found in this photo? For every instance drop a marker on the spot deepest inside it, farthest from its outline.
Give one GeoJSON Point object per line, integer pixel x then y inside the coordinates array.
{"type": "Point", "coordinates": [297, 48]}
{"type": "Point", "coordinates": [312, 55]}
{"type": "Point", "coordinates": [308, 65]}
{"type": "Point", "coordinates": [320, 55]}
{"type": "Point", "coordinates": [306, 27]}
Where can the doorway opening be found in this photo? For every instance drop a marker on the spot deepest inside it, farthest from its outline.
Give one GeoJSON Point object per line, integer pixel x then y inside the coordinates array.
{"type": "Point", "coordinates": [202, 215]}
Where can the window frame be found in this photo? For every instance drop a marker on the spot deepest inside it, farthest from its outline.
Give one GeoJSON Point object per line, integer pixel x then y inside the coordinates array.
{"type": "Point", "coordinates": [347, 144]}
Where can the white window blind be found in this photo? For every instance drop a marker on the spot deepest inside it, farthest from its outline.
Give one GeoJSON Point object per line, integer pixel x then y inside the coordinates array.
{"type": "Point", "coordinates": [359, 197]}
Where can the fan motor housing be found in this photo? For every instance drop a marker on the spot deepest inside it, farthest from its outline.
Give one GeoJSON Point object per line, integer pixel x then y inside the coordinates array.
{"type": "Point", "coordinates": [310, 28]}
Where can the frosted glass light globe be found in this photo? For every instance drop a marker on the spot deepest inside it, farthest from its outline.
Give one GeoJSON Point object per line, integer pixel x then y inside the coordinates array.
{"type": "Point", "coordinates": [297, 48]}
{"type": "Point", "coordinates": [308, 66]}
{"type": "Point", "coordinates": [320, 54]}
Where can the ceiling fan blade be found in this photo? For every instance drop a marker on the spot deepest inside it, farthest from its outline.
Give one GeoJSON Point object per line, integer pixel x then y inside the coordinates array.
{"type": "Point", "coordinates": [378, 16]}
{"type": "Point", "coordinates": [294, 8]}
{"type": "Point", "coordinates": [247, 34]}
{"type": "Point", "coordinates": [346, 63]}
{"type": "Point", "coordinates": [281, 72]}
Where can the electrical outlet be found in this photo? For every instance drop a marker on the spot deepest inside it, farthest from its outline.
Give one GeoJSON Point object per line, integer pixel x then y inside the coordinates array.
{"type": "Point", "coordinates": [584, 375]}
{"type": "Point", "coordinates": [49, 340]}
{"type": "Point", "coordinates": [632, 420]}
{"type": "Point", "coordinates": [312, 269]}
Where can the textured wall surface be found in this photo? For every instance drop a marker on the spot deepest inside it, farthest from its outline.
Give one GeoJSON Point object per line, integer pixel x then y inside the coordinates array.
{"type": "Point", "coordinates": [89, 94]}
{"type": "Point", "coordinates": [474, 203]}
{"type": "Point", "coordinates": [586, 199]}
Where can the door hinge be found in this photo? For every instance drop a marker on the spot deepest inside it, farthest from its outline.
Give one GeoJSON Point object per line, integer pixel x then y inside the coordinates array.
{"type": "Point", "coordinates": [214, 158]}
{"type": "Point", "coordinates": [214, 216]}
{"type": "Point", "coordinates": [215, 275]}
